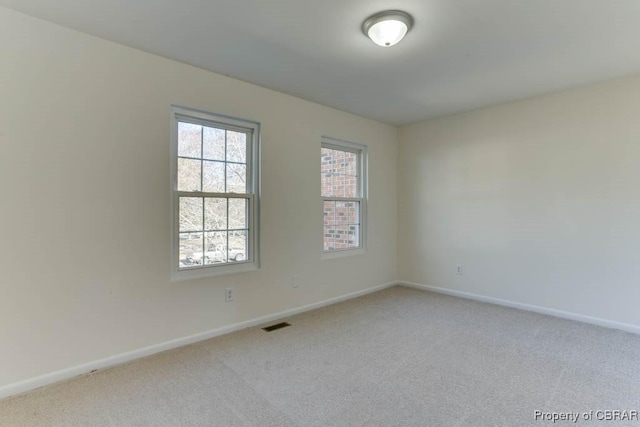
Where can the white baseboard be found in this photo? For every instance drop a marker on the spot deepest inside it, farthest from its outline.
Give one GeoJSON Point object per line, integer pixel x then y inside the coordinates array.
{"type": "Point", "coordinates": [627, 327]}
{"type": "Point", "coordinates": [64, 374]}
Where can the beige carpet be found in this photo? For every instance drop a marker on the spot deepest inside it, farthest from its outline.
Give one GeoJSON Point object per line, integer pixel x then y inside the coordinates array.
{"type": "Point", "coordinates": [396, 357]}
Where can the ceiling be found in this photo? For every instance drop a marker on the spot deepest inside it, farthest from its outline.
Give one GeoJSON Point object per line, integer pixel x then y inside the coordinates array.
{"type": "Point", "coordinates": [460, 55]}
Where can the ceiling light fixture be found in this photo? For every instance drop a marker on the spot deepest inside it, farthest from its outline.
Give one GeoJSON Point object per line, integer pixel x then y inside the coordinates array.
{"type": "Point", "coordinates": [387, 28]}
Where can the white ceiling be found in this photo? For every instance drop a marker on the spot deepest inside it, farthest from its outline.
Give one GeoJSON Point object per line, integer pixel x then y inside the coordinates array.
{"type": "Point", "coordinates": [460, 55]}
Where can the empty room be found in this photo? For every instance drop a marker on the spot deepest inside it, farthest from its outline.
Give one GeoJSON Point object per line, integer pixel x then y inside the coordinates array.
{"type": "Point", "coordinates": [320, 213]}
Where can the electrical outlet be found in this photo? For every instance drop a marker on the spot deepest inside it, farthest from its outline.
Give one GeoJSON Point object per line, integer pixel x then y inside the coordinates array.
{"type": "Point", "coordinates": [459, 270]}
{"type": "Point", "coordinates": [295, 281]}
{"type": "Point", "coordinates": [229, 295]}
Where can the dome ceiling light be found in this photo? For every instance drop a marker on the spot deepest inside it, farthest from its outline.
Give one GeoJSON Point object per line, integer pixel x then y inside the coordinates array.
{"type": "Point", "coordinates": [387, 28]}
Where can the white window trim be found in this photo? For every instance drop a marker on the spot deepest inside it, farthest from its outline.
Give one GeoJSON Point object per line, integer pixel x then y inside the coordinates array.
{"type": "Point", "coordinates": [253, 162]}
{"type": "Point", "coordinates": [328, 142]}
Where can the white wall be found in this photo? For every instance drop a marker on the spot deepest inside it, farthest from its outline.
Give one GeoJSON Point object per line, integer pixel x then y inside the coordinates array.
{"type": "Point", "coordinates": [84, 163]}
{"type": "Point", "coordinates": [539, 200]}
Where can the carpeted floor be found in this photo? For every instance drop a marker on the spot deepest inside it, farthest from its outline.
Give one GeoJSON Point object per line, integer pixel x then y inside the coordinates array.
{"type": "Point", "coordinates": [397, 357]}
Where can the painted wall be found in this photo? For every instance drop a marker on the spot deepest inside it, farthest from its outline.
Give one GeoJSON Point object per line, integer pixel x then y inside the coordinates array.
{"type": "Point", "coordinates": [84, 134]}
{"type": "Point", "coordinates": [539, 200]}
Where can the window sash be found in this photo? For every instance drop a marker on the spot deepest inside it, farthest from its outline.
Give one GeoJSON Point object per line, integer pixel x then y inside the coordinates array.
{"type": "Point", "coordinates": [251, 177]}
{"type": "Point", "coordinates": [249, 256]}
{"type": "Point", "coordinates": [360, 202]}
{"type": "Point", "coordinates": [359, 165]}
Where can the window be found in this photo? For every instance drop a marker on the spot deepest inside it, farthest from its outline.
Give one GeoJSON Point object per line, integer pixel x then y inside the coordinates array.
{"type": "Point", "coordinates": [214, 193]}
{"type": "Point", "coordinates": [343, 189]}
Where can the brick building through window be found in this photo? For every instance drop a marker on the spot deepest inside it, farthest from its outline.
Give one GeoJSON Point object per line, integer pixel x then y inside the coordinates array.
{"type": "Point", "coordinates": [342, 189]}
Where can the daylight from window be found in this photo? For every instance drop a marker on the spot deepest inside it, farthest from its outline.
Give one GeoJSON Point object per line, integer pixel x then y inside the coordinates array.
{"type": "Point", "coordinates": [340, 186]}
{"type": "Point", "coordinates": [213, 224]}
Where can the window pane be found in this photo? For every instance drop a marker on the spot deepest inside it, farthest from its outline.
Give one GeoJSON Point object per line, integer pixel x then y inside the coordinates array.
{"type": "Point", "coordinates": [213, 181]}
{"type": "Point", "coordinates": [189, 140]}
{"type": "Point", "coordinates": [325, 184]}
{"type": "Point", "coordinates": [237, 213]}
{"type": "Point", "coordinates": [325, 171]}
{"type": "Point", "coordinates": [339, 165]}
{"type": "Point", "coordinates": [351, 163]}
{"type": "Point", "coordinates": [329, 224]}
{"type": "Point", "coordinates": [216, 244]}
{"type": "Point", "coordinates": [325, 153]}
{"type": "Point", "coordinates": [213, 143]}
{"type": "Point", "coordinates": [236, 178]}
{"type": "Point", "coordinates": [341, 241]}
{"type": "Point", "coordinates": [338, 173]}
{"type": "Point", "coordinates": [351, 174]}
{"type": "Point", "coordinates": [238, 249]}
{"type": "Point", "coordinates": [190, 214]}
{"type": "Point", "coordinates": [338, 185]}
{"type": "Point", "coordinates": [236, 147]}
{"type": "Point", "coordinates": [190, 245]}
{"type": "Point", "coordinates": [353, 229]}
{"type": "Point", "coordinates": [341, 213]}
{"type": "Point", "coordinates": [188, 175]}
{"type": "Point", "coordinates": [350, 186]}
{"type": "Point", "coordinates": [328, 171]}
{"type": "Point", "coordinates": [354, 236]}
{"type": "Point", "coordinates": [354, 212]}
{"type": "Point", "coordinates": [215, 214]}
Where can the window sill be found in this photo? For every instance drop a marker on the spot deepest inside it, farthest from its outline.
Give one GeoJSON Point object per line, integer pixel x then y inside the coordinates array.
{"type": "Point", "coordinates": [212, 271]}
{"type": "Point", "coordinates": [343, 253]}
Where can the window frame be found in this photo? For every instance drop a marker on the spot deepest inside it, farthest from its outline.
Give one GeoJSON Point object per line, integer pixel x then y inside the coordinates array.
{"type": "Point", "coordinates": [252, 195]}
{"type": "Point", "coordinates": [362, 153]}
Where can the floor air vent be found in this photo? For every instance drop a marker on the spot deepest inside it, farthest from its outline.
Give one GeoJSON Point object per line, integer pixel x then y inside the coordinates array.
{"type": "Point", "coordinates": [276, 326]}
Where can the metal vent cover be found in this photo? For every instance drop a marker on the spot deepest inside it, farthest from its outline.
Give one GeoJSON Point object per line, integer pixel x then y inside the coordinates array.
{"type": "Point", "coordinates": [276, 326]}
